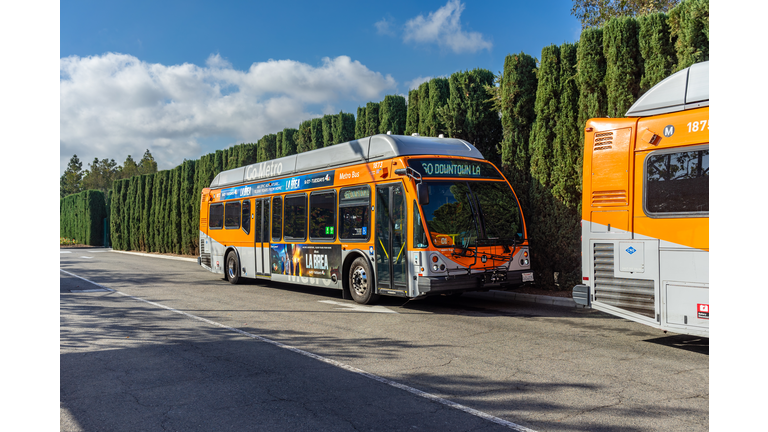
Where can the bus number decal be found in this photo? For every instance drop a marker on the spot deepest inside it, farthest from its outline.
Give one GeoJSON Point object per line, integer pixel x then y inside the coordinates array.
{"type": "Point", "coordinates": [697, 126]}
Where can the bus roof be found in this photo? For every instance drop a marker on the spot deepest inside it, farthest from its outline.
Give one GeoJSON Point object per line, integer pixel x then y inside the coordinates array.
{"type": "Point", "coordinates": [363, 150]}
{"type": "Point", "coordinates": [680, 91]}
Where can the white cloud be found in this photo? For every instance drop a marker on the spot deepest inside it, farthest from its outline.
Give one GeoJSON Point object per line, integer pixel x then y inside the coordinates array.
{"type": "Point", "coordinates": [416, 82]}
{"type": "Point", "coordinates": [114, 105]}
{"type": "Point", "coordinates": [384, 27]}
{"type": "Point", "coordinates": [443, 27]}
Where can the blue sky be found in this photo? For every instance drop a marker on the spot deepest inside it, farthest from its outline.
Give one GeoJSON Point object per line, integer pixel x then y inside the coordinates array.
{"type": "Point", "coordinates": [186, 78]}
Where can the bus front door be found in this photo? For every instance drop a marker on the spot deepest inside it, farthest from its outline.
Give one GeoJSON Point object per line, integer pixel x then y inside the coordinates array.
{"type": "Point", "coordinates": [261, 237]}
{"type": "Point", "coordinates": [391, 261]}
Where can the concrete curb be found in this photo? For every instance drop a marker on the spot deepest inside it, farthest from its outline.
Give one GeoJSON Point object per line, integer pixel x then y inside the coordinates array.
{"type": "Point", "coordinates": [194, 260]}
{"type": "Point", "coordinates": [505, 296]}
{"type": "Point", "coordinates": [508, 296]}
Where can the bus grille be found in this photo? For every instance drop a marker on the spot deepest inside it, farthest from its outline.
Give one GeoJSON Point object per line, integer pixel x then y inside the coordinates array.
{"type": "Point", "coordinates": [205, 258]}
{"type": "Point", "coordinates": [634, 295]}
{"type": "Point", "coordinates": [603, 141]}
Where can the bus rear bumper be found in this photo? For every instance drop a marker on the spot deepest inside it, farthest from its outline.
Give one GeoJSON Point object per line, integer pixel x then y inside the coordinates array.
{"type": "Point", "coordinates": [473, 282]}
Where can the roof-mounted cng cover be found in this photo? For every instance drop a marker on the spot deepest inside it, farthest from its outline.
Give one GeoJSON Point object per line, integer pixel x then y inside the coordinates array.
{"type": "Point", "coordinates": [686, 89]}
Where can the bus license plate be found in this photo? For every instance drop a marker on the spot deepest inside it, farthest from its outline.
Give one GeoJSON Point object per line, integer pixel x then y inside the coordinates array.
{"type": "Point", "coordinates": [528, 277]}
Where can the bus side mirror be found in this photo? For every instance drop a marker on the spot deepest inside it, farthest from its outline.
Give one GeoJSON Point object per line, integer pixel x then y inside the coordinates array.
{"type": "Point", "coordinates": [422, 191]}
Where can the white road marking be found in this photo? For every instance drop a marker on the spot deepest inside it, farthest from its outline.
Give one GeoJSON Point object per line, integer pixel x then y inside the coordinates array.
{"type": "Point", "coordinates": [86, 257]}
{"type": "Point", "coordinates": [346, 367]}
{"type": "Point", "coordinates": [88, 290]}
{"type": "Point", "coordinates": [358, 307]}
{"type": "Point", "coordinates": [156, 255]}
{"type": "Point", "coordinates": [65, 252]}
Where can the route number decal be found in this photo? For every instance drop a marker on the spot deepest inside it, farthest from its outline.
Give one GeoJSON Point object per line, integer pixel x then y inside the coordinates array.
{"type": "Point", "coordinates": [697, 126]}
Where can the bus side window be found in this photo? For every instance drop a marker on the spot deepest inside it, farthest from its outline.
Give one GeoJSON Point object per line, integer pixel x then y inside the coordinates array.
{"type": "Point", "coordinates": [419, 235]}
{"type": "Point", "coordinates": [295, 217]}
{"type": "Point", "coordinates": [277, 218]}
{"type": "Point", "coordinates": [246, 218]}
{"type": "Point", "coordinates": [216, 216]}
{"type": "Point", "coordinates": [322, 215]}
{"type": "Point", "coordinates": [232, 215]}
{"type": "Point", "coordinates": [677, 182]}
{"type": "Point", "coordinates": [354, 213]}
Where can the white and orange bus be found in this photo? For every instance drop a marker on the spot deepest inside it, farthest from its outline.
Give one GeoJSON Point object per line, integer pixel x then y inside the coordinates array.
{"type": "Point", "coordinates": [645, 208]}
{"type": "Point", "coordinates": [394, 215]}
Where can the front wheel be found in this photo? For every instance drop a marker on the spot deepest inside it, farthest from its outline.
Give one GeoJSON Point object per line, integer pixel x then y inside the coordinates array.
{"type": "Point", "coordinates": [361, 282]}
{"type": "Point", "coordinates": [233, 268]}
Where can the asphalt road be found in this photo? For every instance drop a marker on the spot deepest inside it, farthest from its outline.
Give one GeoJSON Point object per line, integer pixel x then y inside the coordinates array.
{"type": "Point", "coordinates": [158, 344]}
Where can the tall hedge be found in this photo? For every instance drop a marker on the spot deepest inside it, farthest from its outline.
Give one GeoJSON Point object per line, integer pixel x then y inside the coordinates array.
{"type": "Point", "coordinates": [371, 118]}
{"type": "Point", "coordinates": [541, 222]}
{"type": "Point", "coordinates": [439, 93]}
{"type": "Point", "coordinates": [287, 145]}
{"type": "Point", "coordinates": [344, 128]}
{"type": "Point", "coordinates": [518, 96]}
{"type": "Point", "coordinates": [81, 217]}
{"type": "Point", "coordinates": [689, 26]}
{"type": "Point", "coordinates": [623, 64]}
{"type": "Point", "coordinates": [593, 99]}
{"type": "Point", "coordinates": [412, 117]}
{"type": "Point", "coordinates": [424, 107]}
{"type": "Point", "coordinates": [392, 115]}
{"type": "Point", "coordinates": [657, 50]}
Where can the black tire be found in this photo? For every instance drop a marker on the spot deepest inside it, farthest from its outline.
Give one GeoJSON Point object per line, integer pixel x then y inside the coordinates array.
{"type": "Point", "coordinates": [232, 269]}
{"type": "Point", "coordinates": [360, 280]}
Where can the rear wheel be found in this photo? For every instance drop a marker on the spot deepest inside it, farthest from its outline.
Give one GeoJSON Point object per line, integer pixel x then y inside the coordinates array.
{"type": "Point", "coordinates": [361, 282]}
{"type": "Point", "coordinates": [233, 268]}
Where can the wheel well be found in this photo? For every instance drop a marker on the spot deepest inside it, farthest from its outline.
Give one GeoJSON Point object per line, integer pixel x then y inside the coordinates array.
{"type": "Point", "coordinates": [345, 272]}
{"type": "Point", "coordinates": [228, 251]}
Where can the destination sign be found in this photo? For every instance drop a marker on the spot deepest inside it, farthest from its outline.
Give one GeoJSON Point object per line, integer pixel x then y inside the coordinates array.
{"type": "Point", "coordinates": [292, 184]}
{"type": "Point", "coordinates": [354, 194]}
{"type": "Point", "coordinates": [453, 168]}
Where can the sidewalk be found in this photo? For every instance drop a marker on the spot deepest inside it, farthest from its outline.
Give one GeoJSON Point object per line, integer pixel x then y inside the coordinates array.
{"type": "Point", "coordinates": [505, 296]}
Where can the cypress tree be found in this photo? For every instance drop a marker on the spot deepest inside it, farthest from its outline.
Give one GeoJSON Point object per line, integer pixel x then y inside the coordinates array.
{"type": "Point", "coordinates": [566, 173]}
{"type": "Point", "coordinates": [327, 123]}
{"type": "Point", "coordinates": [438, 96]}
{"type": "Point", "coordinates": [175, 213]}
{"type": "Point", "coordinates": [518, 96]}
{"type": "Point", "coordinates": [454, 114]}
{"type": "Point", "coordinates": [566, 179]}
{"type": "Point", "coordinates": [424, 106]}
{"type": "Point", "coordinates": [138, 213]}
{"type": "Point", "coordinates": [542, 226]}
{"type": "Point", "coordinates": [371, 118]}
{"type": "Point", "coordinates": [158, 206]}
{"type": "Point", "coordinates": [360, 123]}
{"type": "Point", "coordinates": [188, 197]}
{"type": "Point", "coordinates": [267, 147]}
{"type": "Point", "coordinates": [469, 113]}
{"type": "Point", "coordinates": [304, 137]}
{"type": "Point", "coordinates": [218, 165]}
{"type": "Point", "coordinates": [392, 113]}
{"type": "Point", "coordinates": [623, 64]}
{"type": "Point", "coordinates": [344, 128]}
{"type": "Point", "coordinates": [689, 27]}
{"type": "Point", "coordinates": [116, 216]}
{"type": "Point", "coordinates": [412, 119]}
{"type": "Point", "coordinates": [593, 99]}
{"type": "Point", "coordinates": [289, 143]}
{"type": "Point", "coordinates": [656, 48]}
{"type": "Point", "coordinates": [146, 223]}
{"type": "Point", "coordinates": [316, 128]}
{"type": "Point", "coordinates": [129, 214]}
{"type": "Point", "coordinates": [278, 144]}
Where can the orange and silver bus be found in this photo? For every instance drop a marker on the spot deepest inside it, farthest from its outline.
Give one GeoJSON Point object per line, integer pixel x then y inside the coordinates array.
{"type": "Point", "coordinates": [645, 208]}
{"type": "Point", "coordinates": [393, 215]}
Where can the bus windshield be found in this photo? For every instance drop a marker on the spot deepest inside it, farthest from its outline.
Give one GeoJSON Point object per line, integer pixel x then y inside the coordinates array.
{"type": "Point", "coordinates": [472, 213]}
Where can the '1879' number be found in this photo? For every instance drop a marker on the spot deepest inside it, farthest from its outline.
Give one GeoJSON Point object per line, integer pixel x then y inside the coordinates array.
{"type": "Point", "coordinates": [697, 126]}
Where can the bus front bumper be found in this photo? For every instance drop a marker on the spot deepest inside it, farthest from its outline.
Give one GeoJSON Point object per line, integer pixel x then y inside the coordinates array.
{"type": "Point", "coordinates": [431, 285]}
